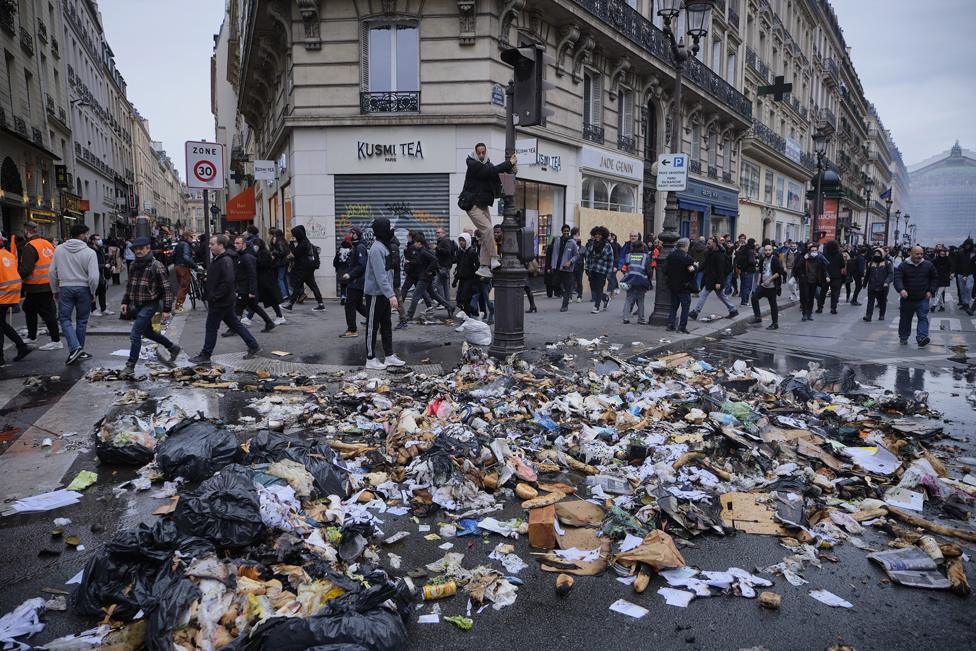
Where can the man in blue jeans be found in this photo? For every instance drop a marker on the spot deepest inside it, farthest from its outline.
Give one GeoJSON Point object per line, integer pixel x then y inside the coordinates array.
{"type": "Point", "coordinates": [221, 299]}
{"type": "Point", "coordinates": [679, 272]}
{"type": "Point", "coordinates": [146, 292]}
{"type": "Point", "coordinates": [74, 277]}
{"type": "Point", "coordinates": [916, 282]}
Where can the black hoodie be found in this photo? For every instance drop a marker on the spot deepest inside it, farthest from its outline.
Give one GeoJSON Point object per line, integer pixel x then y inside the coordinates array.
{"type": "Point", "coordinates": [301, 248]}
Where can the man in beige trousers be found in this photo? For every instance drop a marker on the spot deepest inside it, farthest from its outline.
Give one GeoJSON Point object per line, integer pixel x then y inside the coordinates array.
{"type": "Point", "coordinates": [481, 187]}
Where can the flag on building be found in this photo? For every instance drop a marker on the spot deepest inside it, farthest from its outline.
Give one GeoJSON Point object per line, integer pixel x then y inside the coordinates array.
{"type": "Point", "coordinates": [885, 195]}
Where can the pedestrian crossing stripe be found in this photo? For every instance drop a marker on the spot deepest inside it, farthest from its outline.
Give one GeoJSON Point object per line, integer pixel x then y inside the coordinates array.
{"type": "Point", "coordinates": [936, 324]}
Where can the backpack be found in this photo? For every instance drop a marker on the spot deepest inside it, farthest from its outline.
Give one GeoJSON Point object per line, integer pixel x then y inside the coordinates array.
{"type": "Point", "coordinates": [316, 259]}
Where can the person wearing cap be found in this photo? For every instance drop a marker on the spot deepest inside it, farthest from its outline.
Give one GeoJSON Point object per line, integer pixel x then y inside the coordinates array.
{"type": "Point", "coordinates": [10, 287]}
{"type": "Point", "coordinates": [147, 291]}
{"type": "Point", "coordinates": [221, 301]}
{"type": "Point", "coordinates": [35, 270]}
{"type": "Point", "coordinates": [380, 297]}
{"type": "Point", "coordinates": [355, 278]}
{"type": "Point", "coordinates": [74, 279]}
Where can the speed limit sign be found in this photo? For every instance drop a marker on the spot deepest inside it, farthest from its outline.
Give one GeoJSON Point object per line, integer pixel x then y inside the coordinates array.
{"type": "Point", "coordinates": [204, 165]}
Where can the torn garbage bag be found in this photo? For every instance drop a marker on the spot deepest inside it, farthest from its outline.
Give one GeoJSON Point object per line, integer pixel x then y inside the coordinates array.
{"type": "Point", "coordinates": [356, 620]}
{"type": "Point", "coordinates": [196, 450]}
{"type": "Point", "coordinates": [123, 572]}
{"type": "Point", "coordinates": [329, 475]}
{"type": "Point", "coordinates": [225, 509]}
{"type": "Point", "coordinates": [172, 594]}
{"type": "Point", "coordinates": [128, 441]}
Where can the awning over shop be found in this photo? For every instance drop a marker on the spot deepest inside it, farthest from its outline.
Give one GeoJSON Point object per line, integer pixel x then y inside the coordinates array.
{"type": "Point", "coordinates": [694, 206]}
{"type": "Point", "coordinates": [241, 208]}
{"type": "Point", "coordinates": [725, 212]}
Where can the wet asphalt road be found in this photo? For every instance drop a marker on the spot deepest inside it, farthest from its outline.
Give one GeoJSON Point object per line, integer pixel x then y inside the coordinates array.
{"type": "Point", "coordinates": [885, 616]}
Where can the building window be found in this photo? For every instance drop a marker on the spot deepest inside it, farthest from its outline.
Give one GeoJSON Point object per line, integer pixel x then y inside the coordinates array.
{"type": "Point", "coordinates": [392, 68]}
{"type": "Point", "coordinates": [768, 188]}
{"type": "Point", "coordinates": [717, 56]}
{"type": "Point", "coordinates": [712, 150]}
{"type": "Point", "coordinates": [696, 142]}
{"type": "Point", "coordinates": [625, 113]}
{"type": "Point", "coordinates": [780, 198]}
{"type": "Point", "coordinates": [595, 193]}
{"type": "Point", "coordinates": [728, 157]}
{"type": "Point", "coordinates": [749, 179]}
{"type": "Point", "coordinates": [793, 198]}
{"type": "Point", "coordinates": [730, 67]}
{"type": "Point", "coordinates": [593, 106]}
{"type": "Point", "coordinates": [623, 198]}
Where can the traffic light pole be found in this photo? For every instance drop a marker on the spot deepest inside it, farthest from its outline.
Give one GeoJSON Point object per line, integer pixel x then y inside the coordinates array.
{"type": "Point", "coordinates": [509, 278]}
{"type": "Point", "coordinates": [206, 224]}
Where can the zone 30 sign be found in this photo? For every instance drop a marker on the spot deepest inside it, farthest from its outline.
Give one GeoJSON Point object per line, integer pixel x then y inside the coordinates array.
{"type": "Point", "coordinates": [204, 165]}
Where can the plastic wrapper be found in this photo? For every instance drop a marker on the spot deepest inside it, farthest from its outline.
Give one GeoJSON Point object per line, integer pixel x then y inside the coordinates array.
{"type": "Point", "coordinates": [196, 450]}
{"type": "Point", "coordinates": [225, 510]}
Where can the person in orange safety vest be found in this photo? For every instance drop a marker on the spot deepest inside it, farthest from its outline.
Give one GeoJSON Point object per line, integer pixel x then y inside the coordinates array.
{"type": "Point", "coordinates": [10, 287]}
{"type": "Point", "coordinates": [34, 267]}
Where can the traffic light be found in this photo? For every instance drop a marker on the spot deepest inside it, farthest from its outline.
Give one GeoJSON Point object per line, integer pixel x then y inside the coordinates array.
{"type": "Point", "coordinates": [529, 101]}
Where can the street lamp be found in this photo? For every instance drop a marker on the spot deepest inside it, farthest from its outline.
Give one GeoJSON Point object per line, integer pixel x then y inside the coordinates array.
{"type": "Point", "coordinates": [888, 203]}
{"type": "Point", "coordinates": [820, 140]}
{"type": "Point", "coordinates": [698, 15]}
{"type": "Point", "coordinates": [868, 185]}
{"type": "Point", "coordinates": [897, 242]}
{"type": "Point", "coordinates": [907, 236]}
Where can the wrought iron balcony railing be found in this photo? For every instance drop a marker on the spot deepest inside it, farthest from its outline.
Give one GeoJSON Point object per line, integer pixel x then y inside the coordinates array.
{"type": "Point", "coordinates": [642, 32]}
{"type": "Point", "coordinates": [41, 32]}
{"type": "Point", "coordinates": [49, 103]}
{"type": "Point", "coordinates": [695, 166]}
{"type": "Point", "coordinates": [55, 48]}
{"type": "Point", "coordinates": [20, 126]}
{"type": "Point", "coordinates": [8, 19]}
{"type": "Point", "coordinates": [26, 42]}
{"type": "Point", "coordinates": [627, 144]}
{"type": "Point", "coordinates": [727, 177]}
{"type": "Point", "coordinates": [754, 62]}
{"type": "Point", "coordinates": [390, 102]}
{"type": "Point", "coordinates": [593, 133]}
{"type": "Point", "coordinates": [712, 172]}
{"type": "Point", "coordinates": [37, 136]}
{"type": "Point", "coordinates": [768, 137]}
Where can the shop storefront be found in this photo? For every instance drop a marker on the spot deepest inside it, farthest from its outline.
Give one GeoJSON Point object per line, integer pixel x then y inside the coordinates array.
{"type": "Point", "coordinates": [540, 189]}
{"type": "Point", "coordinates": [71, 212]}
{"type": "Point", "coordinates": [610, 192]}
{"type": "Point", "coordinates": [47, 222]}
{"type": "Point", "coordinates": [706, 210]}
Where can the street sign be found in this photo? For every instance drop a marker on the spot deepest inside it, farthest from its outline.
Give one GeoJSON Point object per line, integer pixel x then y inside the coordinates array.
{"type": "Point", "coordinates": [264, 170]}
{"type": "Point", "coordinates": [204, 165]}
{"type": "Point", "coordinates": [672, 172]}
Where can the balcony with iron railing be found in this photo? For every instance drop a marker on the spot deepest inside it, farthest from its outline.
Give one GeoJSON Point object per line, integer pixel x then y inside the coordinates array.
{"type": "Point", "coordinates": [20, 126]}
{"type": "Point", "coordinates": [37, 136]}
{"type": "Point", "coordinates": [49, 104]}
{"type": "Point", "coordinates": [733, 18]}
{"type": "Point", "coordinates": [55, 48]}
{"type": "Point", "coordinates": [827, 116]}
{"type": "Point", "coordinates": [42, 32]}
{"type": "Point", "coordinates": [754, 62]}
{"type": "Point", "coordinates": [833, 72]}
{"type": "Point", "coordinates": [593, 133]}
{"type": "Point", "coordinates": [712, 172]}
{"type": "Point", "coordinates": [727, 177]}
{"type": "Point", "coordinates": [26, 42]}
{"type": "Point", "coordinates": [8, 18]}
{"type": "Point", "coordinates": [695, 166]}
{"type": "Point", "coordinates": [768, 137]}
{"type": "Point", "coordinates": [627, 144]}
{"type": "Point", "coordinates": [390, 102]}
{"type": "Point", "coordinates": [639, 30]}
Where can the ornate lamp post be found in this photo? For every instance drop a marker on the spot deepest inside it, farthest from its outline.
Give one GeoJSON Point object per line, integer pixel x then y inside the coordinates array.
{"type": "Point", "coordinates": [820, 140]}
{"type": "Point", "coordinates": [906, 235]}
{"type": "Point", "coordinates": [698, 14]}
{"type": "Point", "coordinates": [897, 242]}
{"type": "Point", "coordinates": [888, 203]}
{"type": "Point", "coordinates": [868, 185]}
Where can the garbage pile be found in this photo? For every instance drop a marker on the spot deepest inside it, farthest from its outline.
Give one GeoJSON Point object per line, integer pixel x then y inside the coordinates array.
{"type": "Point", "coordinates": [279, 536]}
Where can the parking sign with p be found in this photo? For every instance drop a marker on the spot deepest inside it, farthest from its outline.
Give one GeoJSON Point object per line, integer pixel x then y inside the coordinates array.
{"type": "Point", "coordinates": [204, 165]}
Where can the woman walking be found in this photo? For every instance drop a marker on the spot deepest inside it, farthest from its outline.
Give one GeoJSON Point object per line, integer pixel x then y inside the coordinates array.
{"type": "Point", "coordinates": [599, 263]}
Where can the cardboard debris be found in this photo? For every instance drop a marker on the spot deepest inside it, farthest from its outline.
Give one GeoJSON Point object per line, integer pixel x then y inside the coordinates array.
{"type": "Point", "coordinates": [750, 513]}
{"type": "Point", "coordinates": [657, 550]}
{"type": "Point", "coordinates": [579, 514]}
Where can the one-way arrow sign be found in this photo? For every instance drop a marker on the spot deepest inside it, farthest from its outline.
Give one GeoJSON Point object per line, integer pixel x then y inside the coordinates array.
{"type": "Point", "coordinates": [672, 172]}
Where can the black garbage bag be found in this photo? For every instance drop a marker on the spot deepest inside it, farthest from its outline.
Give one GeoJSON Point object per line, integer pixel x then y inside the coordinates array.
{"type": "Point", "coordinates": [356, 620]}
{"type": "Point", "coordinates": [329, 475]}
{"type": "Point", "coordinates": [225, 510]}
{"type": "Point", "coordinates": [195, 450]}
{"type": "Point", "coordinates": [124, 570]}
{"type": "Point", "coordinates": [172, 594]}
{"type": "Point", "coordinates": [113, 447]}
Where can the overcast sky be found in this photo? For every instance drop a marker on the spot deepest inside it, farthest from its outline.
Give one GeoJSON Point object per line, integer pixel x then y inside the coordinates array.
{"type": "Point", "coordinates": [163, 48]}
{"type": "Point", "coordinates": [916, 60]}
{"type": "Point", "coordinates": [917, 63]}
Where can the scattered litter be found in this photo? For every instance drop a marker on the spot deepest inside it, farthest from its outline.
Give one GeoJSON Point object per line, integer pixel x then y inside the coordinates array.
{"type": "Point", "coordinates": [829, 598]}
{"type": "Point", "coordinates": [626, 608]}
{"type": "Point", "coordinates": [44, 502]}
{"type": "Point", "coordinates": [82, 480]}
{"type": "Point", "coordinates": [21, 621]}
{"type": "Point", "coordinates": [679, 598]}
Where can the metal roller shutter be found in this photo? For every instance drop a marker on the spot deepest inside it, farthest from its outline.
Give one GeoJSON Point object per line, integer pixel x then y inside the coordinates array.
{"type": "Point", "coordinates": [409, 201]}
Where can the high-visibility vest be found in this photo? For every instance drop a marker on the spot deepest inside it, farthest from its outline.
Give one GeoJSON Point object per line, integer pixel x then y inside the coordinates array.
{"type": "Point", "coordinates": [45, 254]}
{"type": "Point", "coordinates": [10, 282]}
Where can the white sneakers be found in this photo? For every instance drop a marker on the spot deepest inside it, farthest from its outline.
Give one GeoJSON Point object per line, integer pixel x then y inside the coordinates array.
{"type": "Point", "coordinates": [483, 272]}
{"type": "Point", "coordinates": [495, 262]}
{"type": "Point", "coordinates": [278, 320]}
{"type": "Point", "coordinates": [245, 321]}
{"type": "Point", "coordinates": [107, 312]}
{"type": "Point", "coordinates": [376, 365]}
{"type": "Point", "coordinates": [96, 313]}
{"type": "Point", "coordinates": [52, 345]}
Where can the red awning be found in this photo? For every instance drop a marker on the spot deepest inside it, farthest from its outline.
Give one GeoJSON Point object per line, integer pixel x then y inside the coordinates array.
{"type": "Point", "coordinates": [241, 208]}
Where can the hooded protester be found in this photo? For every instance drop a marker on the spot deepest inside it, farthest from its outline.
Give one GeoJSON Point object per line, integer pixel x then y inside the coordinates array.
{"type": "Point", "coordinates": [279, 256]}
{"type": "Point", "coordinates": [810, 272]}
{"type": "Point", "coordinates": [306, 262]}
{"type": "Point", "coordinates": [340, 262]}
{"type": "Point", "coordinates": [712, 273]}
{"type": "Point", "coordinates": [745, 264]}
{"type": "Point", "coordinates": [268, 290]}
{"type": "Point", "coordinates": [147, 291]}
{"type": "Point", "coordinates": [855, 271]}
{"type": "Point", "coordinates": [380, 297]}
{"type": "Point", "coordinates": [465, 276]}
{"type": "Point", "coordinates": [427, 269]}
{"type": "Point", "coordinates": [246, 281]}
{"type": "Point", "coordinates": [74, 279]}
{"type": "Point", "coordinates": [964, 267]}
{"type": "Point", "coordinates": [599, 264]}
{"type": "Point", "coordinates": [943, 268]}
{"type": "Point", "coordinates": [836, 266]}
{"type": "Point", "coordinates": [221, 301]}
{"type": "Point", "coordinates": [878, 276]}
{"type": "Point", "coordinates": [355, 278]}
{"type": "Point", "coordinates": [481, 187]}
